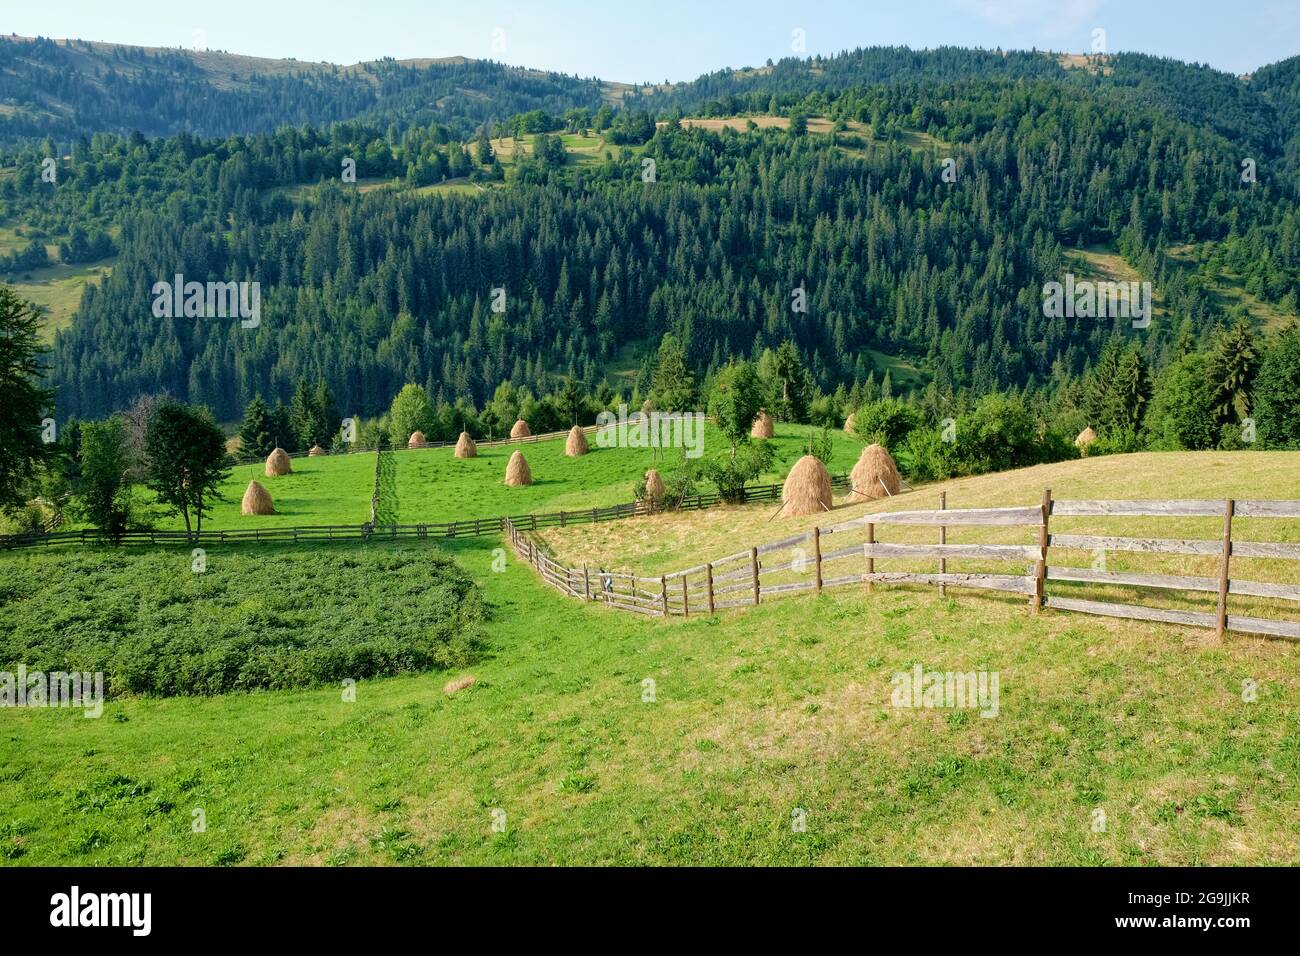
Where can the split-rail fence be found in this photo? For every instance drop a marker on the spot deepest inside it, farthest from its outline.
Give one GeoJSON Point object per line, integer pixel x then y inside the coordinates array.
{"type": "Point", "coordinates": [846, 554]}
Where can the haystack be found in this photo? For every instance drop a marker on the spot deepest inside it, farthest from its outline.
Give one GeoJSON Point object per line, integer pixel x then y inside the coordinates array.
{"type": "Point", "coordinates": [416, 440]}
{"type": "Point", "coordinates": [517, 473]}
{"type": "Point", "coordinates": [459, 683]}
{"type": "Point", "coordinates": [576, 444]}
{"type": "Point", "coordinates": [654, 486]}
{"type": "Point", "coordinates": [1086, 437]}
{"type": "Point", "coordinates": [850, 424]}
{"type": "Point", "coordinates": [465, 447]}
{"type": "Point", "coordinates": [807, 489]}
{"type": "Point", "coordinates": [316, 451]}
{"type": "Point", "coordinates": [764, 427]}
{"type": "Point", "coordinates": [277, 463]}
{"type": "Point", "coordinates": [521, 430]}
{"type": "Point", "coordinates": [257, 501]}
{"type": "Point", "coordinates": [875, 475]}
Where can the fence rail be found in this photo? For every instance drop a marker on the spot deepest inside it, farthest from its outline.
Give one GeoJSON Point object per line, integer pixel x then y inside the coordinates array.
{"type": "Point", "coordinates": [748, 577]}
{"type": "Point", "coordinates": [462, 528]}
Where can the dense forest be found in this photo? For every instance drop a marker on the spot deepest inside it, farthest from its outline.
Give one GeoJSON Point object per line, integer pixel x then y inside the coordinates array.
{"type": "Point", "coordinates": [76, 89]}
{"type": "Point", "coordinates": [850, 245]}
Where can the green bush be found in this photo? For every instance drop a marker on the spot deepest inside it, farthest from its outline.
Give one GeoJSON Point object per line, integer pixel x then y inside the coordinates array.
{"type": "Point", "coordinates": [887, 422]}
{"type": "Point", "coordinates": [255, 618]}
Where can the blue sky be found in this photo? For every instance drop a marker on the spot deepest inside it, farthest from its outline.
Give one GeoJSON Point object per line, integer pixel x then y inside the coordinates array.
{"type": "Point", "coordinates": [654, 40]}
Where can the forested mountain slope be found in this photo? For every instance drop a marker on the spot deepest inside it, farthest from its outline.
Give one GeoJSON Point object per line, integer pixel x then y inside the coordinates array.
{"type": "Point", "coordinates": [370, 288]}
{"type": "Point", "coordinates": [70, 89]}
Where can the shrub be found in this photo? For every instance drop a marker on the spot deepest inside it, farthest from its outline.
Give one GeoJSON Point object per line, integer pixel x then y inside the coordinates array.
{"type": "Point", "coordinates": [258, 618]}
{"type": "Point", "coordinates": [887, 422]}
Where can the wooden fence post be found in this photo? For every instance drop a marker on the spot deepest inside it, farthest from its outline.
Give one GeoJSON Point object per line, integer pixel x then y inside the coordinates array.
{"type": "Point", "coordinates": [871, 562]}
{"type": "Point", "coordinates": [1229, 507]}
{"type": "Point", "coordinates": [586, 582]}
{"type": "Point", "coordinates": [753, 567]}
{"type": "Point", "coordinates": [686, 600]}
{"type": "Point", "coordinates": [1040, 567]}
{"type": "Point", "coordinates": [817, 556]}
{"type": "Point", "coordinates": [663, 594]}
{"type": "Point", "coordinates": [709, 586]}
{"type": "Point", "coordinates": [943, 539]}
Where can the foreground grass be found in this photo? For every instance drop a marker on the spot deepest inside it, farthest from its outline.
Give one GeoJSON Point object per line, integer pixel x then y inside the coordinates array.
{"type": "Point", "coordinates": [755, 713]}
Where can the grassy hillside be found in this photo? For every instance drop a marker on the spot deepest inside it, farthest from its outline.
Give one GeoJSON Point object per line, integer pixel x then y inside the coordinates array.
{"type": "Point", "coordinates": [433, 485]}
{"type": "Point", "coordinates": [755, 713]}
{"type": "Point", "coordinates": [662, 543]}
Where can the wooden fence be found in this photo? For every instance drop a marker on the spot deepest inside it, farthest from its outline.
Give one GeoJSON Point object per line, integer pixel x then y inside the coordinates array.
{"type": "Point", "coordinates": [824, 557]}
{"type": "Point", "coordinates": [463, 528]}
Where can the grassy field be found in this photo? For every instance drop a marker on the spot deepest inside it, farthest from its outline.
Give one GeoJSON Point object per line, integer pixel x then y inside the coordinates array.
{"type": "Point", "coordinates": [754, 714]}
{"type": "Point", "coordinates": [663, 543]}
{"type": "Point", "coordinates": [433, 485]}
{"type": "Point", "coordinates": [58, 290]}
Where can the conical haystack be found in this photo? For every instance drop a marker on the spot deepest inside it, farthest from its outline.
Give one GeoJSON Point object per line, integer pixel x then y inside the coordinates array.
{"type": "Point", "coordinates": [277, 463]}
{"type": "Point", "coordinates": [316, 451]}
{"type": "Point", "coordinates": [521, 430]}
{"type": "Point", "coordinates": [850, 424]}
{"type": "Point", "coordinates": [257, 501]}
{"type": "Point", "coordinates": [576, 443]}
{"type": "Point", "coordinates": [654, 486]}
{"type": "Point", "coordinates": [1086, 437]}
{"type": "Point", "coordinates": [465, 447]}
{"type": "Point", "coordinates": [807, 489]}
{"type": "Point", "coordinates": [416, 440]}
{"type": "Point", "coordinates": [875, 475]}
{"type": "Point", "coordinates": [764, 427]}
{"type": "Point", "coordinates": [517, 472]}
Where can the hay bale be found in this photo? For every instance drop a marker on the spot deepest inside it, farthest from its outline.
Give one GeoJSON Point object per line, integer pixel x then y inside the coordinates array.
{"type": "Point", "coordinates": [764, 427]}
{"type": "Point", "coordinates": [277, 464]}
{"type": "Point", "coordinates": [465, 447]}
{"type": "Point", "coordinates": [316, 451]}
{"type": "Point", "coordinates": [416, 440]}
{"type": "Point", "coordinates": [1086, 437]}
{"type": "Point", "coordinates": [807, 489]}
{"type": "Point", "coordinates": [257, 500]}
{"type": "Point", "coordinates": [521, 430]}
{"type": "Point", "coordinates": [517, 472]}
{"type": "Point", "coordinates": [875, 475]}
{"type": "Point", "coordinates": [654, 486]}
{"type": "Point", "coordinates": [576, 444]}
{"type": "Point", "coordinates": [459, 683]}
{"type": "Point", "coordinates": [851, 425]}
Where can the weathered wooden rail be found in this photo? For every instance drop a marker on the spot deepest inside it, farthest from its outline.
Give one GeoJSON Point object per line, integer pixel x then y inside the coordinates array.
{"type": "Point", "coordinates": [822, 557]}
{"type": "Point", "coordinates": [463, 528]}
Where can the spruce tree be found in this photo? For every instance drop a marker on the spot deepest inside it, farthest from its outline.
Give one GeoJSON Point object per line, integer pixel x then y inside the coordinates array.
{"type": "Point", "coordinates": [255, 431]}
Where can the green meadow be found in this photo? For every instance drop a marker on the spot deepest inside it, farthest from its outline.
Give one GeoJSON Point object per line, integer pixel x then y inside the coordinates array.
{"type": "Point", "coordinates": [391, 706]}
{"type": "Point", "coordinates": [752, 715]}
{"type": "Point", "coordinates": [433, 485]}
